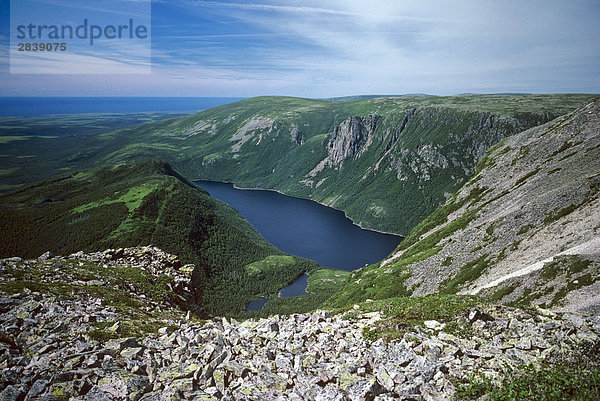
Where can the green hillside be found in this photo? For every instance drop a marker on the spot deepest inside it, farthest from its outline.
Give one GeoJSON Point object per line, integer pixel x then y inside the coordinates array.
{"type": "Point", "coordinates": [523, 230]}
{"type": "Point", "coordinates": [386, 162]}
{"type": "Point", "coordinates": [34, 148]}
{"type": "Point", "coordinates": [141, 204]}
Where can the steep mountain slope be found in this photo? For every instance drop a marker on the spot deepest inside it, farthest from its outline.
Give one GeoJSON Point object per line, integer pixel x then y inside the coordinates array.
{"type": "Point", "coordinates": [96, 327]}
{"type": "Point", "coordinates": [141, 204]}
{"type": "Point", "coordinates": [525, 228]}
{"type": "Point", "coordinates": [387, 162]}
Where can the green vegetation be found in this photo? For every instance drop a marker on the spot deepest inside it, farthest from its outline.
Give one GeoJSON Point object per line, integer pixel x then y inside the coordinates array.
{"type": "Point", "coordinates": [141, 204]}
{"type": "Point", "coordinates": [38, 147]}
{"type": "Point", "coordinates": [524, 229]}
{"type": "Point", "coordinates": [527, 383]}
{"type": "Point", "coordinates": [403, 313]}
{"type": "Point", "coordinates": [565, 211]}
{"type": "Point", "coordinates": [322, 283]}
{"type": "Point", "coordinates": [371, 283]}
{"type": "Point", "coordinates": [523, 179]}
{"type": "Point", "coordinates": [324, 280]}
{"type": "Point", "coordinates": [281, 140]}
{"type": "Point", "coordinates": [466, 274]}
{"type": "Point", "coordinates": [575, 284]}
{"type": "Point", "coordinates": [565, 146]}
{"type": "Point", "coordinates": [502, 292]}
{"type": "Point", "coordinates": [447, 261]}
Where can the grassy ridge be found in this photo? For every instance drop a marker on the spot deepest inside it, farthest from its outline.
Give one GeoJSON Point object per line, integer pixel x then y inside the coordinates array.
{"type": "Point", "coordinates": [275, 142]}
{"type": "Point", "coordinates": [148, 203]}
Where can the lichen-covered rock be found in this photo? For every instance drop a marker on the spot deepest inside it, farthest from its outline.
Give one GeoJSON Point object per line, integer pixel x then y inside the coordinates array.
{"type": "Point", "coordinates": [48, 350]}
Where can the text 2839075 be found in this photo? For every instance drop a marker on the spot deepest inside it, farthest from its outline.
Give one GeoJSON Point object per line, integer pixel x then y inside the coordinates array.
{"type": "Point", "coordinates": [42, 47]}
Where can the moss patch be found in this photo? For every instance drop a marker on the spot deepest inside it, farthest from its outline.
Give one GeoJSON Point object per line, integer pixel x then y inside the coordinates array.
{"type": "Point", "coordinates": [467, 273]}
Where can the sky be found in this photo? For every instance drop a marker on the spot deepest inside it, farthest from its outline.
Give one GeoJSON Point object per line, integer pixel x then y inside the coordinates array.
{"type": "Point", "coordinates": [320, 49]}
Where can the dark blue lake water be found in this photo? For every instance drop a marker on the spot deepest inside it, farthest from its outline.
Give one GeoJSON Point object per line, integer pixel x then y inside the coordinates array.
{"type": "Point", "coordinates": [298, 287]}
{"type": "Point", "coordinates": [256, 305]}
{"type": "Point", "coordinates": [33, 106]}
{"type": "Point", "coordinates": [295, 289]}
{"type": "Point", "coordinates": [304, 228]}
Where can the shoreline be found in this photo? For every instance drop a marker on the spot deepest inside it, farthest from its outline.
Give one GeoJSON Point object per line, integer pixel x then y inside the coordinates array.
{"type": "Point", "coordinates": [307, 199]}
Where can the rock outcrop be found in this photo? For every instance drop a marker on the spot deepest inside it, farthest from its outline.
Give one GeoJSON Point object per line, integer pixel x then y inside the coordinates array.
{"type": "Point", "coordinates": [524, 229]}
{"type": "Point", "coordinates": [351, 137]}
{"type": "Point", "coordinates": [79, 346]}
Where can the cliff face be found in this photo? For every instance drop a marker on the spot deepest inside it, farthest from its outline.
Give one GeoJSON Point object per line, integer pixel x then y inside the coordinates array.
{"type": "Point", "coordinates": [524, 228]}
{"type": "Point", "coordinates": [351, 137]}
{"type": "Point", "coordinates": [386, 162]}
{"type": "Point", "coordinates": [388, 172]}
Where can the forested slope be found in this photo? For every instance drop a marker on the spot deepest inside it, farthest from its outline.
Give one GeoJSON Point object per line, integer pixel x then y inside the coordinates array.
{"type": "Point", "coordinates": [142, 204]}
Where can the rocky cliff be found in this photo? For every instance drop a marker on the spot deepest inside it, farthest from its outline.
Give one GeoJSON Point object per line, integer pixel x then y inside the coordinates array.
{"type": "Point", "coordinates": [386, 162]}
{"type": "Point", "coordinates": [352, 137]}
{"type": "Point", "coordinates": [103, 326]}
{"type": "Point", "coordinates": [524, 229]}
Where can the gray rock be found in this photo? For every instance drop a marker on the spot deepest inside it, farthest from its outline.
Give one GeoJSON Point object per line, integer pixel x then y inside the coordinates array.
{"type": "Point", "coordinates": [122, 384]}
{"type": "Point", "coordinates": [12, 393]}
{"type": "Point", "coordinates": [329, 394]}
{"type": "Point", "coordinates": [303, 356]}
{"type": "Point", "coordinates": [132, 353]}
{"type": "Point", "coordinates": [365, 389]}
{"type": "Point", "coordinates": [96, 394]}
{"type": "Point", "coordinates": [37, 388]}
{"type": "Point", "coordinates": [121, 343]}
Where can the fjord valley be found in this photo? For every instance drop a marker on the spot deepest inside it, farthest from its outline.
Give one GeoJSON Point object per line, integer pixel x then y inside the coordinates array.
{"type": "Point", "coordinates": [305, 228]}
{"type": "Point", "coordinates": [386, 162]}
{"type": "Point", "coordinates": [149, 203]}
{"type": "Point", "coordinates": [493, 291]}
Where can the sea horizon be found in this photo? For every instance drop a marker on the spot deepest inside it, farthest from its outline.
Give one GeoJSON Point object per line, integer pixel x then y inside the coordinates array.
{"type": "Point", "coordinates": [47, 105]}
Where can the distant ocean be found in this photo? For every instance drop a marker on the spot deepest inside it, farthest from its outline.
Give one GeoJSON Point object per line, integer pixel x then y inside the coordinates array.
{"type": "Point", "coordinates": [35, 106]}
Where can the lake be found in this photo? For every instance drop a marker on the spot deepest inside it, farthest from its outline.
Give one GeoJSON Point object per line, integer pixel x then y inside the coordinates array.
{"type": "Point", "coordinates": [305, 228]}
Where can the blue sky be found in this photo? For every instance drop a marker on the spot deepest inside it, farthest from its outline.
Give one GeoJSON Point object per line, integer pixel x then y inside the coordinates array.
{"type": "Point", "coordinates": [336, 48]}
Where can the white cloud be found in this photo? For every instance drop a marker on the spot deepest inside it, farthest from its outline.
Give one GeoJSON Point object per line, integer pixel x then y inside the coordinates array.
{"type": "Point", "coordinates": [339, 47]}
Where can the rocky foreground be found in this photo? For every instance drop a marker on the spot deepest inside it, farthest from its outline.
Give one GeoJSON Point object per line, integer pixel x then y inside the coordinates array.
{"type": "Point", "coordinates": [79, 345]}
